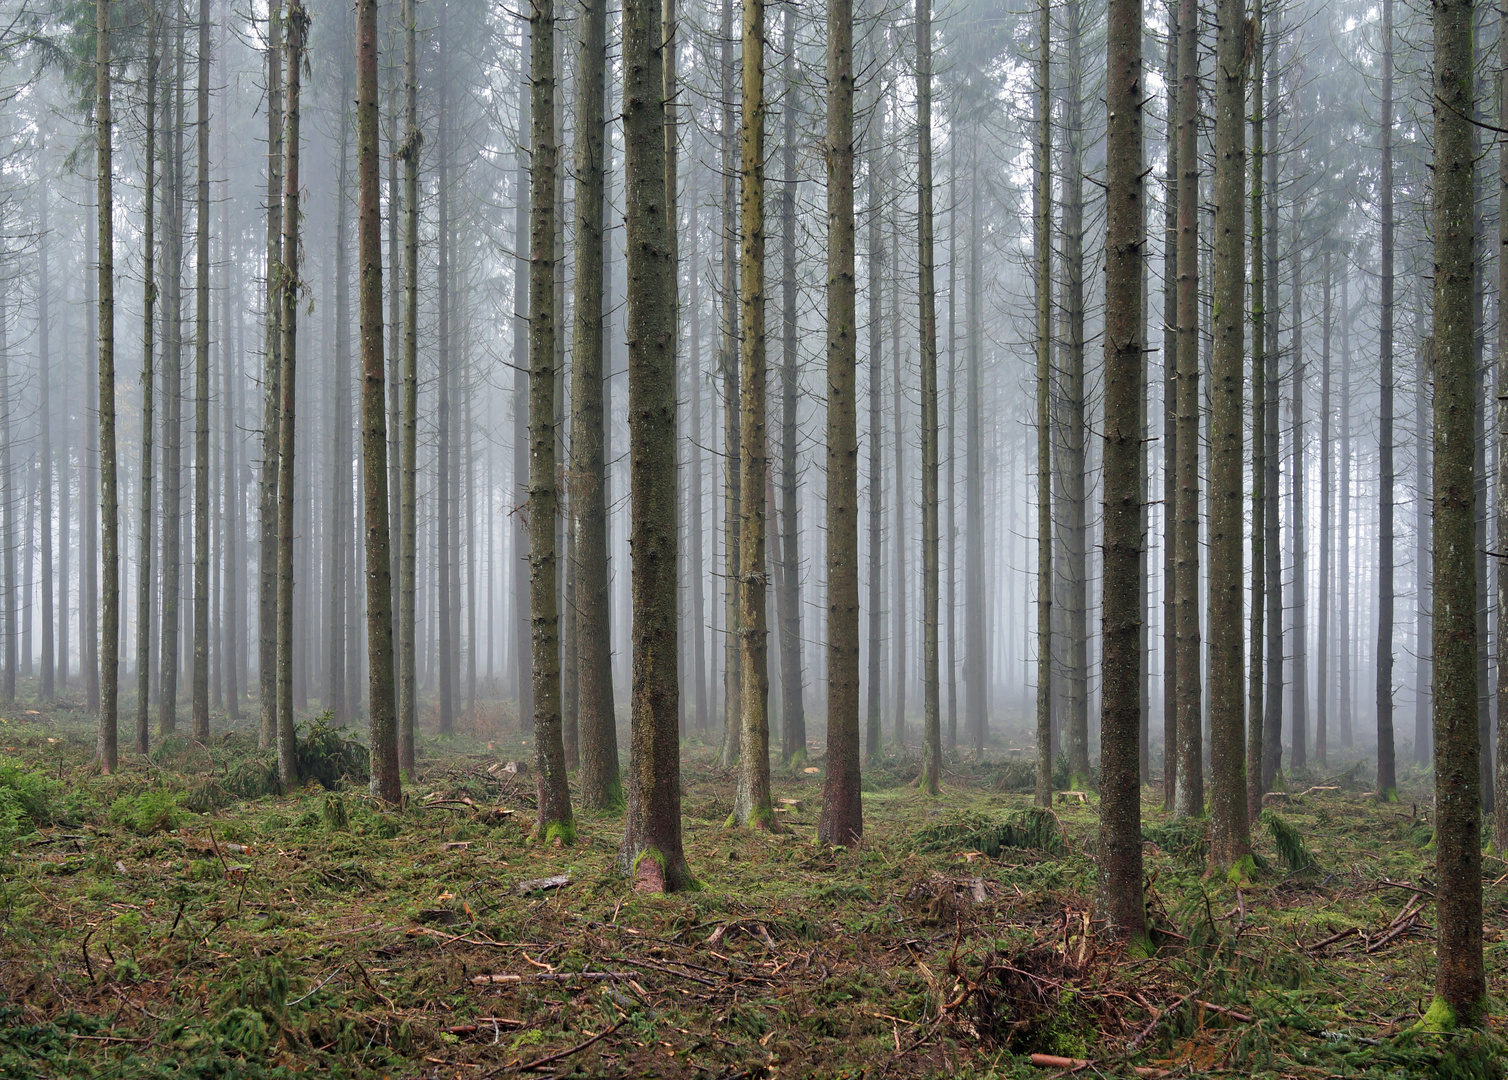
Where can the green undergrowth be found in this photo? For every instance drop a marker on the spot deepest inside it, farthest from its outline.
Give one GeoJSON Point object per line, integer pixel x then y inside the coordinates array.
{"type": "Point", "coordinates": [185, 918]}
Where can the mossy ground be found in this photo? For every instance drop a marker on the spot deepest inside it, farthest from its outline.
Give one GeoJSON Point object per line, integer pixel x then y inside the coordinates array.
{"type": "Point", "coordinates": [265, 937]}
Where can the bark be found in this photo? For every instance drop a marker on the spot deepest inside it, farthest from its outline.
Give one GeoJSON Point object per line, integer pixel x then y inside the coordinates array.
{"type": "Point", "coordinates": [1042, 249]}
{"type": "Point", "coordinates": [1343, 548]}
{"type": "Point", "coordinates": [1500, 777]}
{"type": "Point", "coordinates": [874, 747]}
{"type": "Point", "coordinates": [931, 690]}
{"type": "Point", "coordinates": [382, 729]}
{"type": "Point", "coordinates": [699, 612]}
{"type": "Point", "coordinates": [172, 418]}
{"type": "Point", "coordinates": [1230, 845]}
{"type": "Point", "coordinates": [898, 579]}
{"type": "Point", "coordinates": [1120, 856]}
{"type": "Point", "coordinates": [413, 141]}
{"type": "Point", "coordinates": [272, 376]}
{"type": "Point", "coordinates": [1259, 407]}
{"type": "Point", "coordinates": [1170, 424]}
{"type": "Point", "coordinates": [1188, 796]}
{"type": "Point", "coordinates": [1387, 782]}
{"type": "Point", "coordinates": [1460, 988]}
{"type": "Point", "coordinates": [1322, 637]}
{"type": "Point", "coordinates": [1272, 706]}
{"type": "Point", "coordinates": [793, 707]}
{"type": "Point", "coordinates": [842, 820]}
{"type": "Point", "coordinates": [950, 530]}
{"type": "Point", "coordinates": [297, 28]}
{"type": "Point", "coordinates": [46, 683]}
{"type": "Point", "coordinates": [601, 785]}
{"type": "Point", "coordinates": [751, 802]}
{"type": "Point", "coordinates": [554, 818]}
{"type": "Point", "coordinates": [1423, 514]}
{"type": "Point", "coordinates": [446, 546]}
{"type": "Point", "coordinates": [976, 660]}
{"type": "Point", "coordinates": [1297, 530]}
{"type": "Point", "coordinates": [651, 851]}
{"type": "Point", "coordinates": [522, 638]}
{"type": "Point", "coordinates": [8, 504]}
{"type": "Point", "coordinates": [144, 574]}
{"type": "Point", "coordinates": [732, 433]}
{"type": "Point", "coordinates": [230, 370]}
{"type": "Point", "coordinates": [338, 495]}
{"type": "Point", "coordinates": [109, 670]}
{"type": "Point", "coordinates": [200, 703]}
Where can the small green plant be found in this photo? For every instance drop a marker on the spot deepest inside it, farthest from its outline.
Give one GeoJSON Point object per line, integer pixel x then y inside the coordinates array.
{"type": "Point", "coordinates": [1034, 829]}
{"type": "Point", "coordinates": [1289, 841]}
{"type": "Point", "coordinates": [326, 754]}
{"type": "Point", "coordinates": [28, 800]}
{"type": "Point", "coordinates": [149, 811]}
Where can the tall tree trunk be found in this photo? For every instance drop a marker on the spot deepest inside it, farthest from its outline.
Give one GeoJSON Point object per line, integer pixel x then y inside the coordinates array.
{"type": "Point", "coordinates": [271, 388]}
{"type": "Point", "coordinates": [46, 683]}
{"type": "Point", "coordinates": [899, 580]}
{"type": "Point", "coordinates": [842, 820]}
{"type": "Point", "coordinates": [793, 706]}
{"type": "Point", "coordinates": [1387, 781]}
{"type": "Point", "coordinates": [1423, 521]}
{"type": "Point", "coordinates": [413, 141]}
{"type": "Point", "coordinates": [555, 822]}
{"type": "Point", "coordinates": [201, 393]}
{"type": "Point", "coordinates": [732, 469]}
{"type": "Point", "coordinates": [109, 671]}
{"type": "Point", "coordinates": [874, 747]}
{"type": "Point", "coordinates": [751, 803]}
{"type": "Point", "coordinates": [1073, 425]}
{"type": "Point", "coordinates": [1042, 256]}
{"type": "Point", "coordinates": [931, 696]}
{"type": "Point", "coordinates": [651, 852]}
{"type": "Point", "coordinates": [601, 785]}
{"type": "Point", "coordinates": [1272, 706]}
{"type": "Point", "coordinates": [1259, 407]}
{"type": "Point", "coordinates": [699, 612]}
{"type": "Point", "coordinates": [1298, 530]}
{"type": "Point", "coordinates": [976, 660]}
{"type": "Point", "coordinates": [1170, 475]}
{"type": "Point", "coordinates": [445, 539]}
{"type": "Point", "coordinates": [521, 274]}
{"type": "Point", "coordinates": [1343, 547]}
{"type": "Point", "coordinates": [950, 530]}
{"type": "Point", "coordinates": [337, 550]}
{"type": "Point", "coordinates": [382, 730]}
{"type": "Point", "coordinates": [1230, 845]}
{"type": "Point", "coordinates": [1322, 638]}
{"type": "Point", "coordinates": [297, 20]}
{"type": "Point", "coordinates": [1120, 855]}
{"type": "Point", "coordinates": [9, 655]}
{"type": "Point", "coordinates": [1500, 816]}
{"type": "Point", "coordinates": [1188, 796]}
{"type": "Point", "coordinates": [230, 439]}
{"type": "Point", "coordinates": [144, 572]}
{"type": "Point", "coordinates": [1460, 988]}
{"type": "Point", "coordinates": [172, 412]}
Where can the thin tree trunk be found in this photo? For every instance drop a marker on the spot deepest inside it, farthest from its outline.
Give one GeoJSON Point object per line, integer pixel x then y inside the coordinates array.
{"type": "Point", "coordinates": [413, 141]}
{"type": "Point", "coordinates": [46, 683]}
{"type": "Point", "coordinates": [601, 785]}
{"type": "Point", "coordinates": [1423, 518]}
{"type": "Point", "coordinates": [1298, 531]}
{"type": "Point", "coordinates": [699, 612]}
{"type": "Point", "coordinates": [751, 803]}
{"type": "Point", "coordinates": [1500, 817]}
{"type": "Point", "coordinates": [297, 33]}
{"type": "Point", "coordinates": [950, 531]}
{"type": "Point", "coordinates": [230, 658]}
{"type": "Point", "coordinates": [1042, 251]}
{"type": "Point", "coordinates": [793, 706]}
{"type": "Point", "coordinates": [1343, 547]}
{"type": "Point", "coordinates": [201, 393]}
{"type": "Point", "coordinates": [445, 540]}
{"type": "Point", "coordinates": [732, 468]}
{"type": "Point", "coordinates": [521, 275]}
{"type": "Point", "coordinates": [842, 820]}
{"type": "Point", "coordinates": [554, 819]}
{"type": "Point", "coordinates": [337, 551]}
{"type": "Point", "coordinates": [1120, 842]}
{"type": "Point", "coordinates": [931, 697]}
{"type": "Point", "coordinates": [8, 653]}
{"type": "Point", "coordinates": [109, 670]}
{"type": "Point", "coordinates": [1387, 782]}
{"type": "Point", "coordinates": [1259, 407]}
{"type": "Point", "coordinates": [1322, 639]}
{"type": "Point", "coordinates": [1272, 706]}
{"type": "Point", "coordinates": [1170, 698]}
{"type": "Point", "coordinates": [874, 742]}
{"type": "Point", "coordinates": [1188, 797]}
{"type": "Point", "coordinates": [144, 572]}
{"type": "Point", "coordinates": [1460, 987]}
{"type": "Point", "coordinates": [271, 389]}
{"type": "Point", "coordinates": [651, 852]}
{"type": "Point", "coordinates": [976, 660]}
{"type": "Point", "coordinates": [1230, 846]}
{"type": "Point", "coordinates": [172, 412]}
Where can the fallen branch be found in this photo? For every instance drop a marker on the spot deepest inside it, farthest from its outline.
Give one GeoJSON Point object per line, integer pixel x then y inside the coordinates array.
{"type": "Point", "coordinates": [1239, 1017]}
{"type": "Point", "coordinates": [538, 1063]}
{"type": "Point", "coordinates": [1052, 1061]}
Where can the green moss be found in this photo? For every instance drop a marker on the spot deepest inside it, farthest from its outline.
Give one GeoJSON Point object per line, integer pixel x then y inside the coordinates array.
{"type": "Point", "coordinates": [564, 831]}
{"type": "Point", "coordinates": [1242, 873]}
{"type": "Point", "coordinates": [1079, 782]}
{"type": "Point", "coordinates": [1441, 1016]}
{"type": "Point", "coordinates": [1388, 795]}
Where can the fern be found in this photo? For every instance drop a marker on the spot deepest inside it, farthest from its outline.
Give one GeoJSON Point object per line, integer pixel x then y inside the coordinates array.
{"type": "Point", "coordinates": [1289, 842]}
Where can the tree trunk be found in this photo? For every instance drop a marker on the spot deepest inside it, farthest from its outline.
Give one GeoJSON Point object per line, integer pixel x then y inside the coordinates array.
{"type": "Point", "coordinates": [554, 822]}
{"type": "Point", "coordinates": [337, 551]}
{"type": "Point", "coordinates": [1322, 638]}
{"type": "Point", "coordinates": [445, 539]}
{"type": "Point", "coordinates": [382, 730]}
{"type": "Point", "coordinates": [1042, 251]}
{"type": "Point", "coordinates": [109, 670]}
{"type": "Point", "coordinates": [1120, 856]}
{"type": "Point", "coordinates": [699, 612]}
{"type": "Point", "coordinates": [1460, 987]}
{"type": "Point", "coordinates": [651, 852]}
{"type": "Point", "coordinates": [1343, 548]}
{"type": "Point", "coordinates": [413, 141]}
{"type": "Point", "coordinates": [271, 389]}
{"type": "Point", "coordinates": [1387, 781]}
{"type": "Point", "coordinates": [172, 411]}
{"type": "Point", "coordinates": [793, 706]}
{"type": "Point", "coordinates": [297, 30]}
{"type": "Point", "coordinates": [732, 469]}
{"type": "Point", "coordinates": [1259, 407]}
{"type": "Point", "coordinates": [931, 697]}
{"type": "Point", "coordinates": [842, 820]}
{"type": "Point", "coordinates": [201, 393]}
{"type": "Point", "coordinates": [1423, 519]}
{"type": "Point", "coordinates": [874, 747]}
{"type": "Point", "coordinates": [46, 683]}
{"type": "Point", "coordinates": [8, 502]}
{"type": "Point", "coordinates": [601, 785]}
{"type": "Point", "coordinates": [751, 802]}
{"type": "Point", "coordinates": [1230, 845]}
{"type": "Point", "coordinates": [1500, 816]}
{"type": "Point", "coordinates": [1170, 474]}
{"type": "Point", "coordinates": [1298, 532]}
{"type": "Point", "coordinates": [1073, 426]}
{"type": "Point", "coordinates": [230, 370]}
{"type": "Point", "coordinates": [976, 660]}
{"type": "Point", "coordinates": [1272, 706]}
{"type": "Point", "coordinates": [521, 273]}
{"type": "Point", "coordinates": [146, 542]}
{"type": "Point", "coordinates": [1188, 797]}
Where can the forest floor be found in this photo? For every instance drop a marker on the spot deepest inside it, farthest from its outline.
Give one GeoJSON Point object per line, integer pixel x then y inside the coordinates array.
{"type": "Point", "coordinates": [174, 921]}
